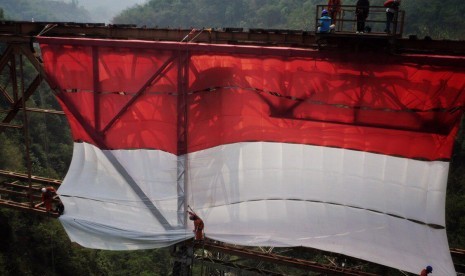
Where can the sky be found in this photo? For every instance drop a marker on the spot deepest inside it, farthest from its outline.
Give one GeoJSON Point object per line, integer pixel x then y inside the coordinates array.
{"type": "Point", "coordinates": [102, 11]}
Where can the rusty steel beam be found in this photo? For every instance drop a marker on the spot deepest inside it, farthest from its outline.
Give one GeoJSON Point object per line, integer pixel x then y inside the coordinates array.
{"type": "Point", "coordinates": [27, 208]}
{"type": "Point", "coordinates": [24, 32]}
{"type": "Point", "coordinates": [3, 125]}
{"type": "Point", "coordinates": [13, 75]}
{"type": "Point", "coordinates": [98, 139]}
{"type": "Point", "coordinates": [458, 254]}
{"type": "Point", "coordinates": [279, 259]}
{"type": "Point", "coordinates": [6, 95]}
{"type": "Point", "coordinates": [30, 195]}
{"type": "Point", "coordinates": [458, 251]}
{"type": "Point", "coordinates": [34, 178]}
{"type": "Point", "coordinates": [36, 110]}
{"type": "Point", "coordinates": [47, 111]}
{"type": "Point", "coordinates": [18, 105]}
{"type": "Point", "coordinates": [229, 265]}
{"type": "Point", "coordinates": [6, 57]}
{"type": "Point", "coordinates": [26, 195]}
{"type": "Point", "coordinates": [18, 185]}
{"type": "Point", "coordinates": [15, 193]}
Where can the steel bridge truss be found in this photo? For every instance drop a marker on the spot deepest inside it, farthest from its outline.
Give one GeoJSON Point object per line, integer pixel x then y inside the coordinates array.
{"type": "Point", "coordinates": [21, 190]}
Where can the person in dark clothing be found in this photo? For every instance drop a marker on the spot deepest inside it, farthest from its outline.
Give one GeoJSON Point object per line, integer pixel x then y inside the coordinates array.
{"type": "Point", "coordinates": [392, 8]}
{"type": "Point", "coordinates": [60, 208]}
{"type": "Point", "coordinates": [361, 11]}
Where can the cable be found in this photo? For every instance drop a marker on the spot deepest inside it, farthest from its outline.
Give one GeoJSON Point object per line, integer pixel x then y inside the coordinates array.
{"type": "Point", "coordinates": [47, 28]}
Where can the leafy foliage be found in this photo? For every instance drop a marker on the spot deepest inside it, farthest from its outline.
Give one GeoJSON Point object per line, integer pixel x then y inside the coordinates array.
{"type": "Point", "coordinates": [35, 245]}
{"type": "Point", "coordinates": [437, 19]}
{"type": "Point", "coordinates": [217, 13]}
{"type": "Point", "coordinates": [455, 200]}
{"type": "Point", "coordinates": [11, 155]}
{"type": "Point", "coordinates": [44, 10]}
{"type": "Point", "coordinates": [440, 19]}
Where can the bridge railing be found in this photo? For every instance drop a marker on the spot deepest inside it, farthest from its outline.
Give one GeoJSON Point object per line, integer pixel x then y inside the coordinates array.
{"type": "Point", "coordinates": [346, 20]}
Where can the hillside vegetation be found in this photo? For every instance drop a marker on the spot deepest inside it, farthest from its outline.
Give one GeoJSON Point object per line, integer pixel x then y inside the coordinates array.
{"type": "Point", "coordinates": [440, 19]}
{"type": "Point", "coordinates": [44, 10]}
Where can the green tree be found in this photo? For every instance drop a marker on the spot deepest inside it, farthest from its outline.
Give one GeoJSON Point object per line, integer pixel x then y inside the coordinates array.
{"type": "Point", "coordinates": [437, 19]}
{"type": "Point", "coordinates": [45, 10]}
{"type": "Point", "coordinates": [11, 154]}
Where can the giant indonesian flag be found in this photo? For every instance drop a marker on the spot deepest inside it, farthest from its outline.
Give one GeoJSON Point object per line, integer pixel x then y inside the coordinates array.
{"type": "Point", "coordinates": [270, 146]}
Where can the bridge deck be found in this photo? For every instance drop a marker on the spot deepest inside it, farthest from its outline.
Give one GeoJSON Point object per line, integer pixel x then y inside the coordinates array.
{"type": "Point", "coordinates": [16, 31]}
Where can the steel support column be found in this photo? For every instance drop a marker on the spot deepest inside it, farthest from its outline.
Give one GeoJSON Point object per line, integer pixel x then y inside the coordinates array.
{"type": "Point", "coordinates": [182, 124]}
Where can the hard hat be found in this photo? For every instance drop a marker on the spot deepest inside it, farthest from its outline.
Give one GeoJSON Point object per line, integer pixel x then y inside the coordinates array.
{"type": "Point", "coordinates": [429, 268]}
{"type": "Point", "coordinates": [324, 12]}
{"type": "Point", "coordinates": [43, 190]}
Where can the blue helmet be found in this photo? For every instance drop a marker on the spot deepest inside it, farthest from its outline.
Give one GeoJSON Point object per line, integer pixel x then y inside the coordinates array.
{"type": "Point", "coordinates": [324, 12]}
{"type": "Point", "coordinates": [429, 269]}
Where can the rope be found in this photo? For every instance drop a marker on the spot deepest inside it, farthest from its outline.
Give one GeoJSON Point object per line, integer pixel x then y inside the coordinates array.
{"type": "Point", "coordinates": [209, 30]}
{"type": "Point", "coordinates": [47, 28]}
{"type": "Point", "coordinates": [193, 31]}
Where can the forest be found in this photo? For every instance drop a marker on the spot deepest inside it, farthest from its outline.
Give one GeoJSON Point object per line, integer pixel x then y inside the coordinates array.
{"type": "Point", "coordinates": [437, 19]}
{"type": "Point", "coordinates": [34, 245]}
{"type": "Point", "coordinates": [52, 11]}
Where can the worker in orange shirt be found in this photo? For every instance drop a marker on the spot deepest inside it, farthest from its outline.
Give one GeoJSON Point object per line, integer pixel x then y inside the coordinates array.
{"type": "Point", "coordinates": [47, 197]}
{"type": "Point", "coordinates": [198, 226]}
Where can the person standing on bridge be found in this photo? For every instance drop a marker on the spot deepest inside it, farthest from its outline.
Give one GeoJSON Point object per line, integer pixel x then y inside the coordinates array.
{"type": "Point", "coordinates": [392, 8]}
{"type": "Point", "coordinates": [334, 8]}
{"type": "Point", "coordinates": [47, 197]}
{"type": "Point", "coordinates": [362, 9]}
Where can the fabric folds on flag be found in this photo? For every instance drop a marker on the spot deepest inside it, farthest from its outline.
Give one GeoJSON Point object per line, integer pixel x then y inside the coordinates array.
{"type": "Point", "coordinates": [270, 146]}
